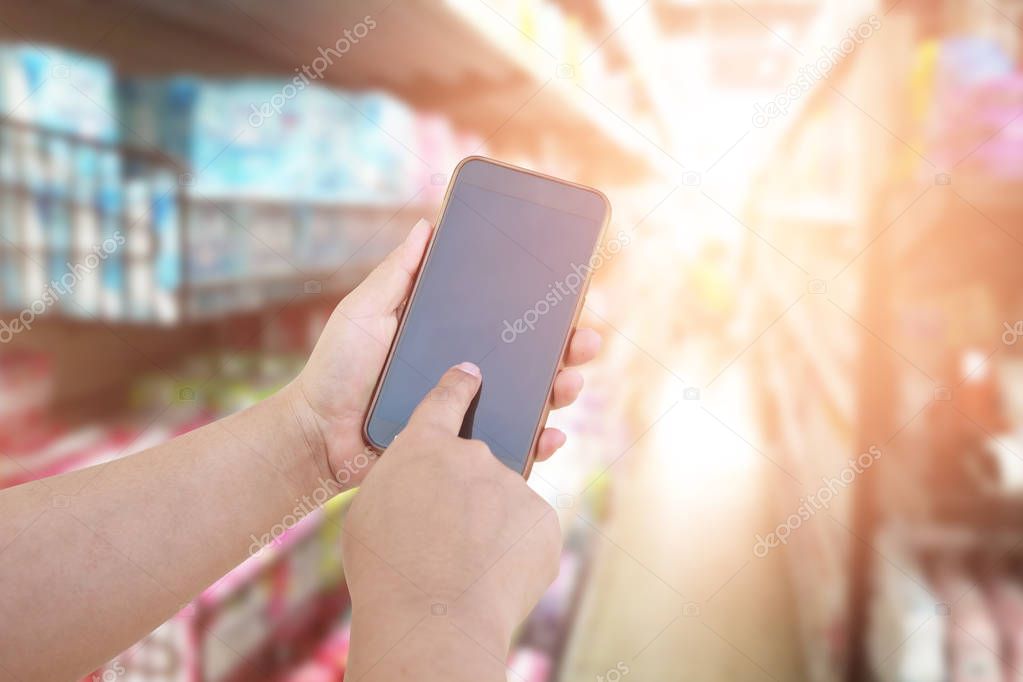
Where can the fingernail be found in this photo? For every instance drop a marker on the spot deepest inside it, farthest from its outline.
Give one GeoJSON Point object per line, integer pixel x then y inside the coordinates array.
{"type": "Point", "coordinates": [469, 368]}
{"type": "Point", "coordinates": [420, 226]}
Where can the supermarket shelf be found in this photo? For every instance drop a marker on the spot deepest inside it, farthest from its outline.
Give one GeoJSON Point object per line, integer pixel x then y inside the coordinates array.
{"type": "Point", "coordinates": [292, 637]}
{"type": "Point", "coordinates": [153, 156]}
{"type": "Point", "coordinates": [271, 555]}
{"type": "Point", "coordinates": [988, 203]}
{"type": "Point", "coordinates": [636, 32]}
{"type": "Point", "coordinates": [851, 408]}
{"type": "Point", "coordinates": [791, 447]}
{"type": "Point", "coordinates": [460, 57]}
{"type": "Point", "coordinates": [955, 537]}
{"type": "Point", "coordinates": [965, 232]}
{"type": "Point", "coordinates": [1002, 512]}
{"type": "Point", "coordinates": [838, 390]}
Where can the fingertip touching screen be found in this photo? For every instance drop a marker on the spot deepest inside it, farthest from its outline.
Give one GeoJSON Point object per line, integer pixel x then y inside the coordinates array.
{"type": "Point", "coordinates": [510, 259]}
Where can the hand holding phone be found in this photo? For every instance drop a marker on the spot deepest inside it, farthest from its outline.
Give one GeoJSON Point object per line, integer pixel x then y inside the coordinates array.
{"type": "Point", "coordinates": [330, 397]}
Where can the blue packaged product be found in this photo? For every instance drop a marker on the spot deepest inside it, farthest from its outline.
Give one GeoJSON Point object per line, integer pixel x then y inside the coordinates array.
{"type": "Point", "coordinates": [384, 145]}
{"type": "Point", "coordinates": [11, 278]}
{"type": "Point", "coordinates": [208, 126]}
{"type": "Point", "coordinates": [58, 90]}
{"type": "Point", "coordinates": [166, 223]}
{"type": "Point", "coordinates": [112, 303]}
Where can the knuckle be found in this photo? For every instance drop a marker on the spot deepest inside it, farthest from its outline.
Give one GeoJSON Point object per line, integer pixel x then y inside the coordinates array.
{"type": "Point", "coordinates": [440, 394]}
{"type": "Point", "coordinates": [463, 386]}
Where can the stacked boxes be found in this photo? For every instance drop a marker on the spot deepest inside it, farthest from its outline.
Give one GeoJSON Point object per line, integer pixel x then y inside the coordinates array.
{"type": "Point", "coordinates": [269, 186]}
{"type": "Point", "coordinates": [58, 90]}
{"type": "Point", "coordinates": [265, 139]}
{"type": "Point", "coordinates": [75, 236]}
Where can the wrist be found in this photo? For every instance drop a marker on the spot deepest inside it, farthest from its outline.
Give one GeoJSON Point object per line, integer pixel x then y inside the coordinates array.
{"type": "Point", "coordinates": [306, 449]}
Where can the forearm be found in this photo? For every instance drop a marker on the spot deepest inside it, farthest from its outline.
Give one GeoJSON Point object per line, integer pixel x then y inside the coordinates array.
{"type": "Point", "coordinates": [103, 555]}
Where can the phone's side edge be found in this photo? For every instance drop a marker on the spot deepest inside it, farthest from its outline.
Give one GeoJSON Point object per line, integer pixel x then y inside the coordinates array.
{"type": "Point", "coordinates": [531, 458]}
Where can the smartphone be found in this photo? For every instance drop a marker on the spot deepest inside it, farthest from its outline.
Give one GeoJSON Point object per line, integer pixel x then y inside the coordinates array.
{"type": "Point", "coordinates": [501, 285]}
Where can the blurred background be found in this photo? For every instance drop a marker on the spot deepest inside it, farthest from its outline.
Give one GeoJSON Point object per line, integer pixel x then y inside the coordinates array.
{"type": "Point", "coordinates": [799, 454]}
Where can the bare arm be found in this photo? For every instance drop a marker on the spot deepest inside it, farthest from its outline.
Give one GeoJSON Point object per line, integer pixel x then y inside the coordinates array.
{"type": "Point", "coordinates": [94, 559]}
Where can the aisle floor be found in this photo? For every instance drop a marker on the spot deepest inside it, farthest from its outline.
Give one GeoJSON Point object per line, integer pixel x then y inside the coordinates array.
{"type": "Point", "coordinates": [676, 591]}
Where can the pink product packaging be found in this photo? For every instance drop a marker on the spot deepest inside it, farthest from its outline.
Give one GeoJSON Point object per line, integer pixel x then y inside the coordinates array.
{"type": "Point", "coordinates": [168, 654]}
{"type": "Point", "coordinates": [61, 452]}
{"type": "Point", "coordinates": [1002, 161]}
{"type": "Point", "coordinates": [530, 665]}
{"type": "Point", "coordinates": [1004, 91]}
{"type": "Point", "coordinates": [1006, 599]}
{"type": "Point", "coordinates": [26, 387]}
{"type": "Point", "coordinates": [312, 671]}
{"type": "Point", "coordinates": [974, 644]}
{"type": "Point", "coordinates": [333, 652]}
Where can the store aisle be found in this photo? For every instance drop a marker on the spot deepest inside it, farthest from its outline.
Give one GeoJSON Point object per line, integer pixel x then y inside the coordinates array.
{"type": "Point", "coordinates": [676, 592]}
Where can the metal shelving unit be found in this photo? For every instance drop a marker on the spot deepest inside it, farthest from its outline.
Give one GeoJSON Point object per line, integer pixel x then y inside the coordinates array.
{"type": "Point", "coordinates": [823, 368]}
{"type": "Point", "coordinates": [918, 235]}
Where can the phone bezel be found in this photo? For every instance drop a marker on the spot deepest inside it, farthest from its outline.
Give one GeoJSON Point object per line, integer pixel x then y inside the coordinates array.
{"type": "Point", "coordinates": [538, 429]}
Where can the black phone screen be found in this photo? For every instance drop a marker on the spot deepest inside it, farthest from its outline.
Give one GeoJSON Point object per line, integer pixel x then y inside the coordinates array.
{"type": "Point", "coordinates": [510, 258]}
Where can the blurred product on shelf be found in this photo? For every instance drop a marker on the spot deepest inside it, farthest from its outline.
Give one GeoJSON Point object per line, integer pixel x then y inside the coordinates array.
{"type": "Point", "coordinates": [975, 94]}
{"type": "Point", "coordinates": [293, 140]}
{"type": "Point", "coordinates": [205, 387]}
{"type": "Point", "coordinates": [59, 90]}
{"type": "Point", "coordinates": [303, 142]}
{"type": "Point", "coordinates": [905, 611]}
{"type": "Point", "coordinates": [1006, 598]}
{"type": "Point", "coordinates": [26, 388]}
{"type": "Point", "coordinates": [329, 662]}
{"type": "Point", "coordinates": [530, 665]}
{"type": "Point", "coordinates": [949, 608]}
{"type": "Point", "coordinates": [972, 641]}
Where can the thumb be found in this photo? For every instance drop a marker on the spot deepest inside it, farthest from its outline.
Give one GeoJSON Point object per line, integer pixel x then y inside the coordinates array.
{"type": "Point", "coordinates": [386, 287]}
{"type": "Point", "coordinates": [445, 405]}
